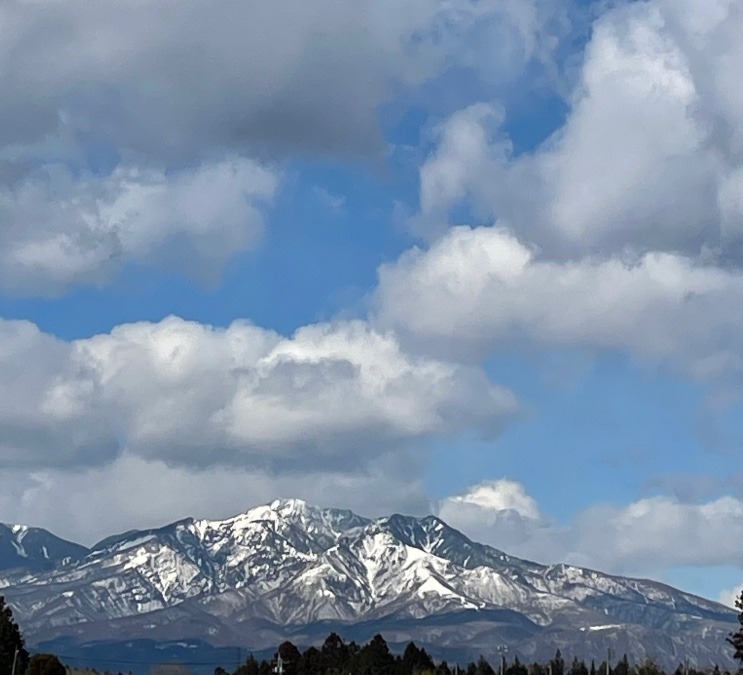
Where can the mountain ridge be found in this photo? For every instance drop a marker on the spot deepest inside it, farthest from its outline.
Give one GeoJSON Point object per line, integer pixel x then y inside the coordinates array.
{"type": "Point", "coordinates": [288, 566]}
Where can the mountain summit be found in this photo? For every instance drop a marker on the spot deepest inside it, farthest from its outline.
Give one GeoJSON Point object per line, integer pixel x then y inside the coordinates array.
{"type": "Point", "coordinates": [292, 569]}
{"type": "Point", "coordinates": [34, 549]}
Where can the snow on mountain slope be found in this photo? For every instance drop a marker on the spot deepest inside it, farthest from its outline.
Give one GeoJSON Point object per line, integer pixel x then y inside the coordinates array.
{"type": "Point", "coordinates": [289, 563]}
{"type": "Point", "coordinates": [33, 549]}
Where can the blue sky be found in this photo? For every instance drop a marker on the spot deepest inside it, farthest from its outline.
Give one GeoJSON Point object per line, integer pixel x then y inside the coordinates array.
{"type": "Point", "coordinates": [475, 258]}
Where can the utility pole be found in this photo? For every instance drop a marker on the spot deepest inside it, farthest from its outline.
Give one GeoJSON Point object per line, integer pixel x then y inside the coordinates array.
{"type": "Point", "coordinates": [15, 658]}
{"type": "Point", "coordinates": [502, 649]}
{"type": "Point", "coordinates": [608, 658]}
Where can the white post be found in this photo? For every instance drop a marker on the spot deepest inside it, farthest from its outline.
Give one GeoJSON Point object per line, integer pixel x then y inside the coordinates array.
{"type": "Point", "coordinates": [15, 658]}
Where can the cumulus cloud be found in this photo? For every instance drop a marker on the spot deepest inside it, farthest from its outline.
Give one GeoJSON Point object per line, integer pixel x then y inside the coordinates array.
{"type": "Point", "coordinates": [639, 538]}
{"type": "Point", "coordinates": [40, 416]}
{"type": "Point", "coordinates": [494, 497]}
{"type": "Point", "coordinates": [115, 120]}
{"type": "Point", "coordinates": [179, 79]}
{"type": "Point", "coordinates": [332, 395]}
{"type": "Point", "coordinates": [649, 159]}
{"type": "Point", "coordinates": [730, 596]}
{"type": "Point", "coordinates": [480, 288]}
{"type": "Point", "coordinates": [59, 229]}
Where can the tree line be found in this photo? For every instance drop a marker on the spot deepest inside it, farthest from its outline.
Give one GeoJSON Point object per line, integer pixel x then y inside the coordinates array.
{"type": "Point", "coordinates": [336, 657]}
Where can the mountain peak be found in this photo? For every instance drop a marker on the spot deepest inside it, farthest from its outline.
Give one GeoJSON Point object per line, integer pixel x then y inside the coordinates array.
{"type": "Point", "coordinates": [34, 549]}
{"type": "Point", "coordinates": [291, 504]}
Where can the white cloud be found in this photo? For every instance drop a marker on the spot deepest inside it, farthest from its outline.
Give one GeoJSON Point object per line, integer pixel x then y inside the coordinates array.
{"type": "Point", "coordinates": [179, 79]}
{"type": "Point", "coordinates": [44, 412]}
{"type": "Point", "coordinates": [645, 537]}
{"type": "Point", "coordinates": [60, 230]}
{"type": "Point", "coordinates": [730, 596]}
{"type": "Point", "coordinates": [468, 155]}
{"type": "Point", "coordinates": [496, 497]}
{"type": "Point", "coordinates": [649, 159]}
{"type": "Point", "coordinates": [164, 91]}
{"type": "Point", "coordinates": [333, 395]}
{"type": "Point", "coordinates": [478, 289]}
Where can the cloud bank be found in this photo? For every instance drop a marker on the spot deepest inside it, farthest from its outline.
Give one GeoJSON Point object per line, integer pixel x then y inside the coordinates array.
{"type": "Point", "coordinates": [333, 394]}
{"type": "Point", "coordinates": [642, 537]}
{"type": "Point", "coordinates": [480, 289]}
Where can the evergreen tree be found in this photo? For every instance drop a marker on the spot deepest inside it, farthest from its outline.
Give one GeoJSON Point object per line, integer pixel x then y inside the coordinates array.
{"type": "Point", "coordinates": [649, 667]}
{"type": "Point", "coordinates": [334, 653]}
{"type": "Point", "coordinates": [622, 668]}
{"type": "Point", "coordinates": [578, 667]}
{"type": "Point", "coordinates": [45, 664]}
{"type": "Point", "coordinates": [736, 639]}
{"type": "Point", "coordinates": [483, 667]}
{"type": "Point", "coordinates": [557, 664]}
{"type": "Point", "coordinates": [311, 662]}
{"type": "Point", "coordinates": [375, 658]}
{"type": "Point", "coordinates": [290, 657]}
{"type": "Point", "coordinates": [517, 668]}
{"type": "Point", "coordinates": [250, 667]}
{"type": "Point", "coordinates": [11, 642]}
{"type": "Point", "coordinates": [415, 660]}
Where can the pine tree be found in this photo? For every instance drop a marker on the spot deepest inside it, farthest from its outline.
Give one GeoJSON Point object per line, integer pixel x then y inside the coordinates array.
{"type": "Point", "coordinates": [45, 664]}
{"type": "Point", "coordinates": [334, 652]}
{"type": "Point", "coordinates": [290, 656]}
{"type": "Point", "coordinates": [557, 664]}
{"type": "Point", "coordinates": [736, 639]}
{"type": "Point", "coordinates": [375, 657]}
{"type": "Point", "coordinates": [483, 667]}
{"type": "Point", "coordinates": [11, 642]}
{"type": "Point", "coordinates": [311, 662]}
{"type": "Point", "coordinates": [250, 667]}
{"type": "Point", "coordinates": [517, 668]}
{"type": "Point", "coordinates": [622, 668]}
{"type": "Point", "coordinates": [578, 667]}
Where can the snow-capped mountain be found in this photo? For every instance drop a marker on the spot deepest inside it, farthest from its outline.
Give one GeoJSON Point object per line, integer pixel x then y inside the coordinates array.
{"type": "Point", "coordinates": [291, 568]}
{"type": "Point", "coordinates": [34, 549]}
